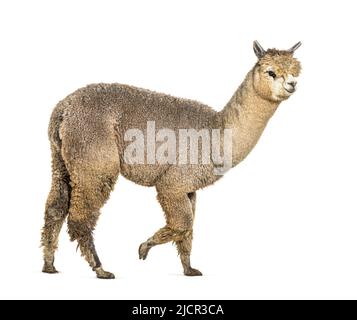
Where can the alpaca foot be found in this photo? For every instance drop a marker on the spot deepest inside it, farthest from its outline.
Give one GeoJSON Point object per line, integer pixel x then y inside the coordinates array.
{"type": "Point", "coordinates": [191, 272]}
{"type": "Point", "coordinates": [144, 250]}
{"type": "Point", "coordinates": [101, 274]}
{"type": "Point", "coordinates": [49, 268]}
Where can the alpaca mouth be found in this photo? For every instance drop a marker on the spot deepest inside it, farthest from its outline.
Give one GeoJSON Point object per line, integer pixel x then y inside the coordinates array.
{"type": "Point", "coordinates": [290, 91]}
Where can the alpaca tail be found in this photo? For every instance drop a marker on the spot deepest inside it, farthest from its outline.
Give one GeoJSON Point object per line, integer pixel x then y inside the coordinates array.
{"type": "Point", "coordinates": [60, 175]}
{"type": "Point", "coordinates": [54, 128]}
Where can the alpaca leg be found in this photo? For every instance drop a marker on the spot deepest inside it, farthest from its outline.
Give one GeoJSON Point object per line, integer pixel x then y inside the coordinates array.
{"type": "Point", "coordinates": [82, 231]}
{"type": "Point", "coordinates": [184, 246]}
{"type": "Point", "coordinates": [163, 235]}
{"type": "Point", "coordinates": [178, 213]}
{"type": "Point", "coordinates": [56, 211]}
{"type": "Point", "coordinates": [179, 221]}
{"type": "Point", "coordinates": [89, 193]}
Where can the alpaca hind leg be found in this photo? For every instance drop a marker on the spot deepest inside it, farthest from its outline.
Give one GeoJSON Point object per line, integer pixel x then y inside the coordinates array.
{"type": "Point", "coordinates": [90, 192]}
{"type": "Point", "coordinates": [56, 210]}
{"type": "Point", "coordinates": [82, 231]}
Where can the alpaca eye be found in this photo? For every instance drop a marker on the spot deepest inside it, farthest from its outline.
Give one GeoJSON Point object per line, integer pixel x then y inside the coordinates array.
{"type": "Point", "coordinates": [272, 74]}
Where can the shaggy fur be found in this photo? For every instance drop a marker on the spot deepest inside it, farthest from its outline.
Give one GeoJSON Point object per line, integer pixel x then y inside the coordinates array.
{"type": "Point", "coordinates": [86, 132]}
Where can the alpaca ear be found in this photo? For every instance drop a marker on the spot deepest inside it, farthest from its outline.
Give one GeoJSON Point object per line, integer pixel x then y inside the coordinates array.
{"type": "Point", "coordinates": [258, 49]}
{"type": "Point", "coordinates": [294, 47]}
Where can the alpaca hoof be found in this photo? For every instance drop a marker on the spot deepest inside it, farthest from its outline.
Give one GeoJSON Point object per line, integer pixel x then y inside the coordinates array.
{"type": "Point", "coordinates": [106, 275]}
{"type": "Point", "coordinates": [49, 268]}
{"type": "Point", "coordinates": [143, 251]}
{"type": "Point", "coordinates": [192, 272]}
{"type": "Point", "coordinates": [101, 274]}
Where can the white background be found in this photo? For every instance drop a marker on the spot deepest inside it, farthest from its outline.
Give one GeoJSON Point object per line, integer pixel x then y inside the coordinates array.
{"type": "Point", "coordinates": [280, 225]}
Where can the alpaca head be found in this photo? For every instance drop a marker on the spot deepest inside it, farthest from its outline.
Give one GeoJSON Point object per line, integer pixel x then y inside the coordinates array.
{"type": "Point", "coordinates": [275, 74]}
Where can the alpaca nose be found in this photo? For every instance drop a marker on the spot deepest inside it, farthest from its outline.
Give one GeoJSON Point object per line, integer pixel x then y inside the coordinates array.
{"type": "Point", "coordinates": [292, 83]}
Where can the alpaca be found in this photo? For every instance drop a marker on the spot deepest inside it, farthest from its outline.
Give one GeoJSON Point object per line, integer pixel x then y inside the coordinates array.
{"type": "Point", "coordinates": [87, 135]}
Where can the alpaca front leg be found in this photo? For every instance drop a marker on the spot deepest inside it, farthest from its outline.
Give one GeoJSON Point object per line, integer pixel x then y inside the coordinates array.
{"type": "Point", "coordinates": [178, 213]}
{"type": "Point", "coordinates": [164, 235]}
{"type": "Point", "coordinates": [184, 248]}
{"type": "Point", "coordinates": [179, 218]}
{"type": "Point", "coordinates": [183, 240]}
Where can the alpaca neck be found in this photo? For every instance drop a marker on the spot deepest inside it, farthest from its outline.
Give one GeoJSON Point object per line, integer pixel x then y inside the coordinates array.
{"type": "Point", "coordinates": [247, 114]}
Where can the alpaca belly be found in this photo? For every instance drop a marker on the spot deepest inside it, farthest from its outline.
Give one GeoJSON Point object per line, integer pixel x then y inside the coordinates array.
{"type": "Point", "coordinates": [187, 178]}
{"type": "Point", "coordinates": [143, 174]}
